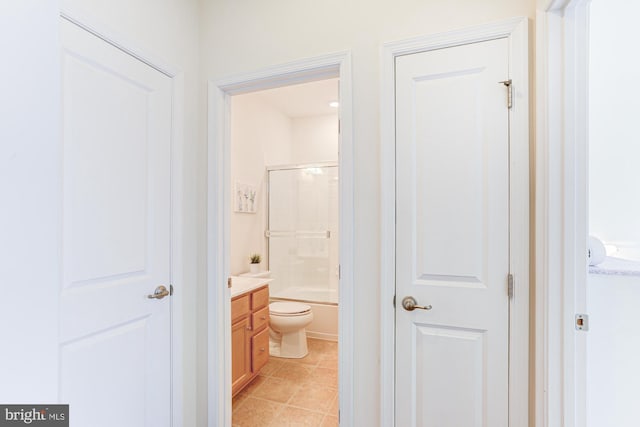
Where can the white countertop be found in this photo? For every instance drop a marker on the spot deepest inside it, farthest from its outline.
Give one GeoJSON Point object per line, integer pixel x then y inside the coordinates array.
{"type": "Point", "coordinates": [242, 285]}
{"type": "Point", "coordinates": [616, 267]}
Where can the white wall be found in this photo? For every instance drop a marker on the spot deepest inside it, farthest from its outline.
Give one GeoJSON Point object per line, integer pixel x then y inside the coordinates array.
{"type": "Point", "coordinates": [613, 346]}
{"type": "Point", "coordinates": [613, 343]}
{"type": "Point", "coordinates": [314, 139]}
{"type": "Point", "coordinates": [240, 37]}
{"type": "Point", "coordinates": [30, 208]}
{"type": "Point", "coordinates": [614, 144]}
{"type": "Point", "coordinates": [261, 136]}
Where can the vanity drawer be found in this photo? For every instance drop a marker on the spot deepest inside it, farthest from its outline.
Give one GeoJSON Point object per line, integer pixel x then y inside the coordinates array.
{"type": "Point", "coordinates": [260, 318]}
{"type": "Point", "coordinates": [239, 307]}
{"type": "Point", "coordinates": [260, 350]}
{"type": "Point", "coordinates": [260, 298]}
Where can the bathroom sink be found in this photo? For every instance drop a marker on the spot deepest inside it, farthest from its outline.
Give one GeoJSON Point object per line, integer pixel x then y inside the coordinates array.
{"type": "Point", "coordinates": [241, 285]}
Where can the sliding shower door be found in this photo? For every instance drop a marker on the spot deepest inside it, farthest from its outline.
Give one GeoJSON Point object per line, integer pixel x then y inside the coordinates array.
{"type": "Point", "coordinates": [303, 233]}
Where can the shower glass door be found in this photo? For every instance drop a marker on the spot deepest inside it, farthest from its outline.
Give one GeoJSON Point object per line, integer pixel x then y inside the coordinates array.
{"type": "Point", "coordinates": [303, 233]}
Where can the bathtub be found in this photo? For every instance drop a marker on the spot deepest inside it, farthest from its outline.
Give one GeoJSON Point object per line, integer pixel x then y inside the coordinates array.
{"type": "Point", "coordinates": [324, 305]}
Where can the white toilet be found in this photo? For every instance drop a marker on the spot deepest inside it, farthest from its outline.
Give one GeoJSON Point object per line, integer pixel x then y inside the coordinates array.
{"type": "Point", "coordinates": [287, 334]}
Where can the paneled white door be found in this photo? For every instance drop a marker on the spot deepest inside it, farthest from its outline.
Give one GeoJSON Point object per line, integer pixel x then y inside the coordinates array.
{"type": "Point", "coordinates": [114, 340]}
{"type": "Point", "coordinates": [452, 237]}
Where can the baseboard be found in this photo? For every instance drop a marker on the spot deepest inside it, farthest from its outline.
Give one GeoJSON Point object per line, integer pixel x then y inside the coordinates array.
{"type": "Point", "coordinates": [322, 336]}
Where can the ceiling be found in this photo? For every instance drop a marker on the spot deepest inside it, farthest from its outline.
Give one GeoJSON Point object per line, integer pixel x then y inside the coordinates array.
{"type": "Point", "coordinates": [303, 100]}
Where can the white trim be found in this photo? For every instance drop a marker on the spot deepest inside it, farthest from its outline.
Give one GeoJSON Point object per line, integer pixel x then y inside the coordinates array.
{"type": "Point", "coordinates": [119, 42]}
{"type": "Point", "coordinates": [561, 182]}
{"type": "Point", "coordinates": [322, 336]}
{"type": "Point", "coordinates": [387, 237]}
{"type": "Point", "coordinates": [520, 226]}
{"type": "Point", "coordinates": [516, 30]}
{"type": "Point", "coordinates": [218, 309]}
{"type": "Point", "coordinates": [302, 166]}
{"type": "Point", "coordinates": [177, 252]}
{"type": "Point", "coordinates": [306, 70]}
{"type": "Point", "coordinates": [458, 37]}
{"type": "Point", "coordinates": [218, 305]}
{"type": "Point", "coordinates": [176, 179]}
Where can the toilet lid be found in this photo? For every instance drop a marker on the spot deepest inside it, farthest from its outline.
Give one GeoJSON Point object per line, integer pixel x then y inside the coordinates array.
{"type": "Point", "coordinates": [288, 307]}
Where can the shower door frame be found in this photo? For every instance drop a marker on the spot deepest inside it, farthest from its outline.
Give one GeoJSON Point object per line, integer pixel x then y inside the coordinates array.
{"type": "Point", "coordinates": [330, 164]}
{"type": "Point", "coordinates": [218, 305]}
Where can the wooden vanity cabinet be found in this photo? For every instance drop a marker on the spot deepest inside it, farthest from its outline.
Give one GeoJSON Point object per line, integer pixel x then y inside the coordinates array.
{"type": "Point", "coordinates": [249, 336]}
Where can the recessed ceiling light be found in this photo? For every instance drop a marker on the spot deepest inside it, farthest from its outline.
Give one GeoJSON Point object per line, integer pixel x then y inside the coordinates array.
{"type": "Point", "coordinates": [334, 104]}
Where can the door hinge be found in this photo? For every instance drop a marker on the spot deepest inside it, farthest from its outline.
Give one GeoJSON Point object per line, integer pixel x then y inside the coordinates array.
{"type": "Point", "coordinates": [582, 322]}
{"type": "Point", "coordinates": [339, 271]}
{"type": "Point", "coordinates": [510, 285]}
{"type": "Point", "coordinates": [509, 86]}
{"type": "Point", "coordinates": [170, 290]}
{"type": "Point", "coordinates": [394, 301]}
{"type": "Point", "coordinates": [228, 282]}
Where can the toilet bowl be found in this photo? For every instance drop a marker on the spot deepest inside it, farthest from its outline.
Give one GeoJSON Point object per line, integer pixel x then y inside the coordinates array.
{"type": "Point", "coordinates": [287, 334]}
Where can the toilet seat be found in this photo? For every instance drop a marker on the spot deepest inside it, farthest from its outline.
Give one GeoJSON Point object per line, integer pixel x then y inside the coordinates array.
{"type": "Point", "coordinates": [289, 308]}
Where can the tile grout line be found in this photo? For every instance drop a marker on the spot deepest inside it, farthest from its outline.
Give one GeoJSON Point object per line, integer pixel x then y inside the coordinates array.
{"type": "Point", "coordinates": [324, 355]}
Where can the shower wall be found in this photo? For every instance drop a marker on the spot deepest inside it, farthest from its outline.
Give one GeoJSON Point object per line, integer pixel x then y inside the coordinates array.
{"type": "Point", "coordinates": [303, 233]}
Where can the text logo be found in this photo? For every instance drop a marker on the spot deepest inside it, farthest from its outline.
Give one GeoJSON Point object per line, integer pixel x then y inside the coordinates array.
{"type": "Point", "coordinates": [34, 415]}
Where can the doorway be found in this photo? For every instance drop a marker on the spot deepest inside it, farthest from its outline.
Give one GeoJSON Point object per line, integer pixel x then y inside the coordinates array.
{"type": "Point", "coordinates": [611, 287]}
{"type": "Point", "coordinates": [568, 289]}
{"type": "Point", "coordinates": [220, 263]}
{"type": "Point", "coordinates": [285, 187]}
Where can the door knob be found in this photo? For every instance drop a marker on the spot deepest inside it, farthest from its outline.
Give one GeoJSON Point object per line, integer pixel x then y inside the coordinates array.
{"type": "Point", "coordinates": [160, 292]}
{"type": "Point", "coordinates": [410, 304]}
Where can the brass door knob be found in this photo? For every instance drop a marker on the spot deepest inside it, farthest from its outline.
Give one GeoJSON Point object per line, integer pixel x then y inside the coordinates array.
{"type": "Point", "coordinates": [410, 304]}
{"type": "Point", "coordinates": [160, 292]}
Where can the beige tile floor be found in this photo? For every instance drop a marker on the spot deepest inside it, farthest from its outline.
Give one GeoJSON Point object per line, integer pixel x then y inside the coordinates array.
{"type": "Point", "coordinates": [293, 392]}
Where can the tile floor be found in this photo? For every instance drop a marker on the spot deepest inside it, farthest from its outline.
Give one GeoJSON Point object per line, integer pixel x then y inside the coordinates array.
{"type": "Point", "coordinates": [293, 392]}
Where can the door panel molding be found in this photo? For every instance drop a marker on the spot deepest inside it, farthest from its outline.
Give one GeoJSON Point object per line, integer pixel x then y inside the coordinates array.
{"type": "Point", "coordinates": [516, 30]}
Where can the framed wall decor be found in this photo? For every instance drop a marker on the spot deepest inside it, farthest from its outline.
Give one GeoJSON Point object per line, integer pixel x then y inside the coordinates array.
{"type": "Point", "coordinates": [245, 198]}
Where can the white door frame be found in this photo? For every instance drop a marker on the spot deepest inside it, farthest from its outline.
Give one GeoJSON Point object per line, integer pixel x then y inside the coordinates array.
{"type": "Point", "coordinates": [176, 165]}
{"type": "Point", "coordinates": [218, 234]}
{"type": "Point", "coordinates": [516, 30]}
{"type": "Point", "coordinates": [561, 201]}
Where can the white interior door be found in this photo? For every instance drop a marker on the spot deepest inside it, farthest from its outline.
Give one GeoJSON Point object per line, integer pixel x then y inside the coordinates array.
{"type": "Point", "coordinates": [114, 340]}
{"type": "Point", "coordinates": [452, 247]}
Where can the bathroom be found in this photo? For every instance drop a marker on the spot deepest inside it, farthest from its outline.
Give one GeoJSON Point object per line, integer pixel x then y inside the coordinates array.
{"type": "Point", "coordinates": [284, 178]}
